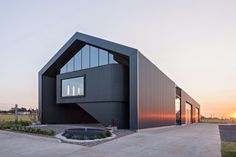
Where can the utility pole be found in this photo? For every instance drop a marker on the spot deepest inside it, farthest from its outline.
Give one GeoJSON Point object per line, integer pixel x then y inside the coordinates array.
{"type": "Point", "coordinates": [16, 113]}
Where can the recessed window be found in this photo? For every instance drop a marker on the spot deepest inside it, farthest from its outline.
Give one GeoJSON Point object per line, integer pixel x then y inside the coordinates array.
{"type": "Point", "coordinates": [72, 87]}
{"type": "Point", "coordinates": [70, 65]}
{"type": "Point", "coordinates": [88, 57]}
{"type": "Point", "coordinates": [196, 115]}
{"type": "Point", "coordinates": [78, 61]}
{"type": "Point", "coordinates": [64, 69]}
{"type": "Point", "coordinates": [103, 57]}
{"type": "Point", "coordinates": [93, 56]}
{"type": "Point", "coordinates": [85, 57]}
{"type": "Point", "coordinates": [111, 59]}
{"type": "Point", "coordinates": [188, 113]}
{"type": "Point", "coordinates": [177, 110]}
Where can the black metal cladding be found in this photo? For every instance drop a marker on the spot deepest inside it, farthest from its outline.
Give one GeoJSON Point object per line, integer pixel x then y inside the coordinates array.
{"type": "Point", "coordinates": [106, 97]}
{"type": "Point", "coordinates": [102, 84]}
{"type": "Point", "coordinates": [147, 98]}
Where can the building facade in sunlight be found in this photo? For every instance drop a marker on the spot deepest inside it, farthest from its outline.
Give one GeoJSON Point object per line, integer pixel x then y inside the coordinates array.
{"type": "Point", "coordinates": [91, 80]}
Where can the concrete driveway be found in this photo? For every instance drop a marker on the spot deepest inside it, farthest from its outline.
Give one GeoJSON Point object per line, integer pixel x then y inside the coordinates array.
{"type": "Point", "coordinates": [197, 140]}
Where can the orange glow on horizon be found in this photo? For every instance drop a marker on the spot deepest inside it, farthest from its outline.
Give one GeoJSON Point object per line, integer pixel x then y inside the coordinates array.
{"type": "Point", "coordinates": [233, 115]}
{"type": "Point", "coordinates": [221, 109]}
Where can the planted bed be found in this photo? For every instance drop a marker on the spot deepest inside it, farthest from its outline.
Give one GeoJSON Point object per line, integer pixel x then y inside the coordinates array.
{"type": "Point", "coordinates": [86, 133]}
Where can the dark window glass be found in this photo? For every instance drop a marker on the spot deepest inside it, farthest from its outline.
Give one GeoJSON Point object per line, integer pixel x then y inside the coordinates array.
{"type": "Point", "coordinates": [78, 61]}
{"type": "Point", "coordinates": [103, 57]}
{"type": "Point", "coordinates": [72, 87]}
{"type": "Point", "coordinates": [70, 65]}
{"type": "Point", "coordinates": [93, 56]}
{"type": "Point", "coordinates": [63, 69]}
{"type": "Point", "coordinates": [111, 59]}
{"type": "Point", "coordinates": [85, 57]}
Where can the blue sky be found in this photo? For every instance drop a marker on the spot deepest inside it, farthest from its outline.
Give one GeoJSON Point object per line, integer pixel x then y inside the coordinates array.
{"type": "Point", "coordinates": [193, 42]}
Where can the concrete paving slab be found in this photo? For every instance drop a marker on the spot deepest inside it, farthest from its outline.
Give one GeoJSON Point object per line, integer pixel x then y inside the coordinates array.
{"type": "Point", "coordinates": [197, 140]}
{"type": "Point", "coordinates": [29, 145]}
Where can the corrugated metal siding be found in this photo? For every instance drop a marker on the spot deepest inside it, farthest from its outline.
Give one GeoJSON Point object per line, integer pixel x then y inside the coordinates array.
{"type": "Point", "coordinates": [156, 96]}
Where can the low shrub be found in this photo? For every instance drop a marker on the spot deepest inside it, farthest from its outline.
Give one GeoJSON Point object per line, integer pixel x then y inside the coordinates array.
{"type": "Point", "coordinates": [8, 125]}
{"type": "Point", "coordinates": [23, 126]}
{"type": "Point", "coordinates": [24, 123]}
{"type": "Point", "coordinates": [90, 134]}
{"type": "Point", "coordinates": [108, 133]}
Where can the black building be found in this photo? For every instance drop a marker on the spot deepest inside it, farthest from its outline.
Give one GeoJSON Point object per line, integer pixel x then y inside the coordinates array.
{"type": "Point", "coordinates": [91, 80]}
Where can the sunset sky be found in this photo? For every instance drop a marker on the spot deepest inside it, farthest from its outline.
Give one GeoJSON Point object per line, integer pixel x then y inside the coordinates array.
{"type": "Point", "coordinates": [193, 42]}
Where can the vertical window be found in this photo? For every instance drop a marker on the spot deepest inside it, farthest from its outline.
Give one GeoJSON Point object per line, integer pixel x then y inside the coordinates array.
{"type": "Point", "coordinates": [72, 87]}
{"type": "Point", "coordinates": [78, 61]}
{"type": "Point", "coordinates": [196, 115]}
{"type": "Point", "coordinates": [85, 57]}
{"type": "Point", "coordinates": [93, 56]}
{"type": "Point", "coordinates": [103, 57]}
{"type": "Point", "coordinates": [188, 113]}
{"type": "Point", "coordinates": [64, 69]}
{"type": "Point", "coordinates": [111, 59]}
{"type": "Point", "coordinates": [70, 65]}
{"type": "Point", "coordinates": [177, 111]}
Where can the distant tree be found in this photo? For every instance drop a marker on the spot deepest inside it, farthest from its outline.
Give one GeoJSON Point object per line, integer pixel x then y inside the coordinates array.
{"type": "Point", "coordinates": [201, 116]}
{"type": "Point", "coordinates": [1, 111]}
{"type": "Point", "coordinates": [12, 110]}
{"type": "Point", "coordinates": [233, 120]}
{"type": "Point", "coordinates": [22, 109]}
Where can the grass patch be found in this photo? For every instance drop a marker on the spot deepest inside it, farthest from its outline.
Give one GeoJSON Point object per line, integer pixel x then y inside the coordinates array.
{"type": "Point", "coordinates": [221, 121]}
{"type": "Point", "coordinates": [11, 117]}
{"type": "Point", "coordinates": [228, 149]}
